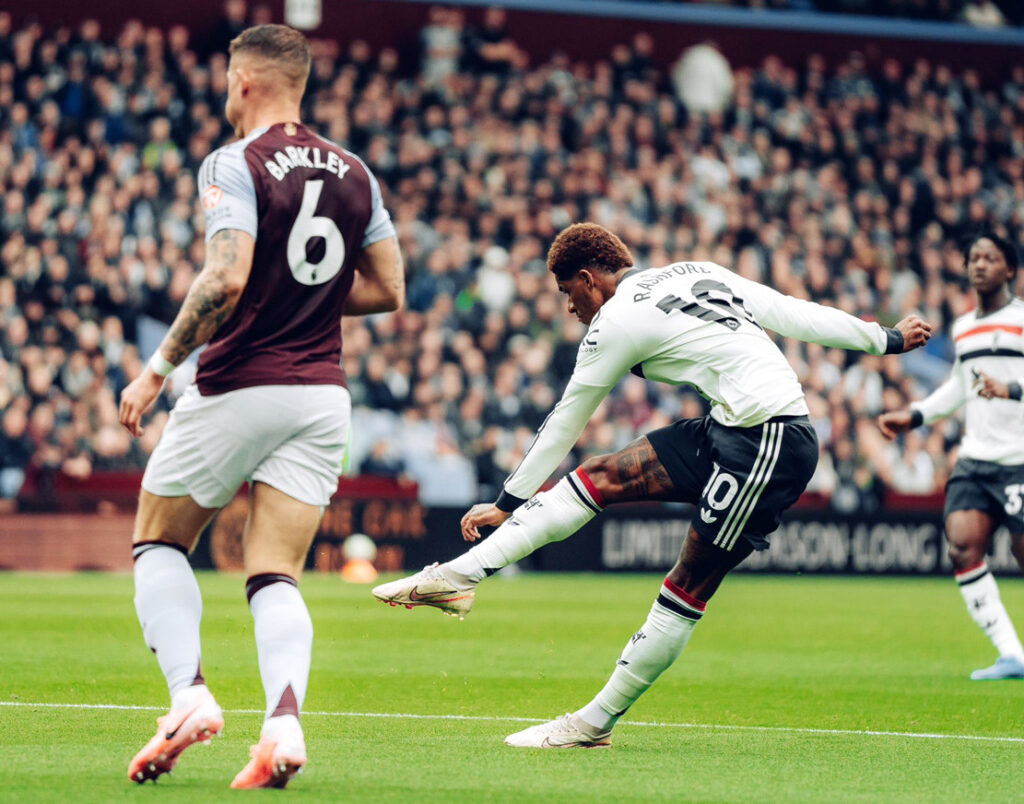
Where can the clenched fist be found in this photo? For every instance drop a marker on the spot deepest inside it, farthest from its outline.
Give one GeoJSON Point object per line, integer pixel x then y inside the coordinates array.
{"type": "Point", "coordinates": [915, 332]}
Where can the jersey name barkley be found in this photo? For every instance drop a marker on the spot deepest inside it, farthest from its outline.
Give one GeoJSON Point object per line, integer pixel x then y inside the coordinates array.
{"type": "Point", "coordinates": [291, 157]}
{"type": "Point", "coordinates": [311, 208]}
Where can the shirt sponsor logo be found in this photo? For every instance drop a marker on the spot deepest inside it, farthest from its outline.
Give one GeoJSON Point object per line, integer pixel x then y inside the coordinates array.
{"type": "Point", "coordinates": [212, 196]}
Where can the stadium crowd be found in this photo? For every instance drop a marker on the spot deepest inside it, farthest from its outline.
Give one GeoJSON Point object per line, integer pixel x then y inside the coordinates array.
{"type": "Point", "coordinates": [840, 184]}
{"type": "Point", "coordinates": [982, 13]}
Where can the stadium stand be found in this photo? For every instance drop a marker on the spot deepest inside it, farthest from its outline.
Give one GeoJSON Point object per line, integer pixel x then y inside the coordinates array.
{"type": "Point", "coordinates": [983, 13]}
{"type": "Point", "coordinates": [849, 183]}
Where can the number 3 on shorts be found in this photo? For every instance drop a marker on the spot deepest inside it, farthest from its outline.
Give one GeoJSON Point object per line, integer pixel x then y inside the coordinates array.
{"type": "Point", "coordinates": [1013, 499]}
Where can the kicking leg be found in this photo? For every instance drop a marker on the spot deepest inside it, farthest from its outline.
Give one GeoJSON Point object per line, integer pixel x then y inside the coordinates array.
{"type": "Point", "coordinates": [968, 534]}
{"type": "Point", "coordinates": [631, 475]}
{"type": "Point", "coordinates": [170, 608]}
{"type": "Point", "coordinates": [649, 652]}
{"type": "Point", "coordinates": [635, 473]}
{"type": "Point", "coordinates": [277, 537]}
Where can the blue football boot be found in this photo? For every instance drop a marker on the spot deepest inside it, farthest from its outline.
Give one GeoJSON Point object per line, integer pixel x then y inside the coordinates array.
{"type": "Point", "coordinates": [1005, 667]}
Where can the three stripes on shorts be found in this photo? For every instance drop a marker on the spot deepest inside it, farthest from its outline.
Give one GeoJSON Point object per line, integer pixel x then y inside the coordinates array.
{"type": "Point", "coordinates": [757, 480]}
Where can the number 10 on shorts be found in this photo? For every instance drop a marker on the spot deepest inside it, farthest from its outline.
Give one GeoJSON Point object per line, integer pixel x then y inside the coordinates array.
{"type": "Point", "coordinates": [718, 494]}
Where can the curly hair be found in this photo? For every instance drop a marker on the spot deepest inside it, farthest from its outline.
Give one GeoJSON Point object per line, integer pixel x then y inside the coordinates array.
{"type": "Point", "coordinates": [1004, 245]}
{"type": "Point", "coordinates": [587, 245]}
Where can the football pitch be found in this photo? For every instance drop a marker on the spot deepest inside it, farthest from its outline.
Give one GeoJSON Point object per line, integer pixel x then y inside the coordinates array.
{"type": "Point", "coordinates": [792, 689]}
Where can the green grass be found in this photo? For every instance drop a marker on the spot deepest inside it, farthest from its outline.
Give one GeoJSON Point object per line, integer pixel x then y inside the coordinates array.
{"type": "Point", "coordinates": [797, 653]}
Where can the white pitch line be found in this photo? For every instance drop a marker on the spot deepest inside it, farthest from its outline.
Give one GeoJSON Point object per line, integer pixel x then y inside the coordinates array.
{"type": "Point", "coordinates": [496, 719]}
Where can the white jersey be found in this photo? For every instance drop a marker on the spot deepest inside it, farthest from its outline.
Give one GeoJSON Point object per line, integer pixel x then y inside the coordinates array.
{"type": "Point", "coordinates": [993, 344]}
{"type": "Point", "coordinates": [691, 323]}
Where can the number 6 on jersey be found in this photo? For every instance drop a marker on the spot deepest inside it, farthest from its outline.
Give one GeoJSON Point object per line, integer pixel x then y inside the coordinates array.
{"type": "Point", "coordinates": [308, 226]}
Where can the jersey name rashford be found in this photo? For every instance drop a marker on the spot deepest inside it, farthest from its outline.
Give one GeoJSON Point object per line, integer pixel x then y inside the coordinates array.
{"type": "Point", "coordinates": [311, 207]}
{"type": "Point", "coordinates": [698, 324]}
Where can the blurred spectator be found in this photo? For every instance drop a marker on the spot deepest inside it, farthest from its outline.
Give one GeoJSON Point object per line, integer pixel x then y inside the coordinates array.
{"type": "Point", "coordinates": [441, 42]}
{"type": "Point", "coordinates": [983, 14]}
{"type": "Point", "coordinates": [16, 451]}
{"type": "Point", "coordinates": [230, 25]}
{"type": "Point", "coordinates": [703, 79]}
{"type": "Point", "coordinates": [489, 47]}
{"type": "Point", "coordinates": [383, 461]}
{"type": "Point", "coordinates": [911, 470]}
{"type": "Point", "coordinates": [446, 477]}
{"type": "Point", "coordinates": [916, 9]}
{"type": "Point", "coordinates": [159, 145]}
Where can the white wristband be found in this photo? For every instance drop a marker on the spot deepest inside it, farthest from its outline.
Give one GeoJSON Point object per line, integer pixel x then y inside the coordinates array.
{"type": "Point", "coordinates": [160, 365]}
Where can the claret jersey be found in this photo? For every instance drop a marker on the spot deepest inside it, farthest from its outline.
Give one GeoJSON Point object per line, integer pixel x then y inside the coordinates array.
{"type": "Point", "coordinates": [311, 207]}
{"type": "Point", "coordinates": [698, 324]}
{"type": "Point", "coordinates": [993, 344]}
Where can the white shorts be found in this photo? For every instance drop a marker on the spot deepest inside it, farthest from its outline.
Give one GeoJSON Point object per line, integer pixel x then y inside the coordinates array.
{"type": "Point", "coordinates": [291, 437]}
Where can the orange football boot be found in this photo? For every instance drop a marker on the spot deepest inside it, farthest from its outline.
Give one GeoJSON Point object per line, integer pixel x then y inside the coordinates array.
{"type": "Point", "coordinates": [277, 757]}
{"type": "Point", "coordinates": [196, 719]}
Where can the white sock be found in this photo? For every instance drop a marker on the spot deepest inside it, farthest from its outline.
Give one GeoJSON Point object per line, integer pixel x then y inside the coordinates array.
{"type": "Point", "coordinates": [986, 609]}
{"type": "Point", "coordinates": [186, 698]}
{"type": "Point", "coordinates": [549, 516]}
{"type": "Point", "coordinates": [170, 608]}
{"type": "Point", "coordinates": [649, 652]}
{"type": "Point", "coordinates": [286, 731]}
{"type": "Point", "coordinates": [284, 641]}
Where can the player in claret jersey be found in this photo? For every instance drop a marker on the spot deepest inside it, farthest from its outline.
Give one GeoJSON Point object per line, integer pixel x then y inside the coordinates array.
{"type": "Point", "coordinates": [985, 488]}
{"type": "Point", "coordinates": [296, 236]}
{"type": "Point", "coordinates": [693, 323]}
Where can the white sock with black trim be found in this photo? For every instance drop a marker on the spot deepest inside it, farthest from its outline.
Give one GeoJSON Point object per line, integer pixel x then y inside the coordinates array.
{"type": "Point", "coordinates": [649, 652]}
{"type": "Point", "coordinates": [170, 608]}
{"type": "Point", "coordinates": [549, 516]}
{"type": "Point", "coordinates": [986, 609]}
{"type": "Point", "coordinates": [284, 641]}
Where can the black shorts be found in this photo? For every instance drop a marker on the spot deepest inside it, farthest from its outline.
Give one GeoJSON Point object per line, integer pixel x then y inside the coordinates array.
{"type": "Point", "coordinates": [989, 487]}
{"type": "Point", "coordinates": [740, 478]}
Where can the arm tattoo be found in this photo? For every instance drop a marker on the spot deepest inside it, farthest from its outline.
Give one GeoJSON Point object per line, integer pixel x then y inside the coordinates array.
{"type": "Point", "coordinates": [209, 301]}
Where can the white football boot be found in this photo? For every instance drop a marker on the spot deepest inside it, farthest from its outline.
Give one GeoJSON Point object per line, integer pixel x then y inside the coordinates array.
{"type": "Point", "coordinates": [567, 731]}
{"type": "Point", "coordinates": [428, 587]}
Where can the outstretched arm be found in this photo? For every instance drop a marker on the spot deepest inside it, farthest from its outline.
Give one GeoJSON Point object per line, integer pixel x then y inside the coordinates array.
{"type": "Point", "coordinates": [211, 299]}
{"type": "Point", "coordinates": [807, 321]}
{"type": "Point", "coordinates": [937, 405]}
{"type": "Point", "coordinates": [561, 429]}
{"type": "Point", "coordinates": [607, 352]}
{"type": "Point", "coordinates": [379, 285]}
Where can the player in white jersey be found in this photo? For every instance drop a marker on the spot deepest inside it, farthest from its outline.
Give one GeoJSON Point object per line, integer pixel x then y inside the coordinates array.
{"type": "Point", "coordinates": [985, 488]}
{"type": "Point", "coordinates": [693, 323]}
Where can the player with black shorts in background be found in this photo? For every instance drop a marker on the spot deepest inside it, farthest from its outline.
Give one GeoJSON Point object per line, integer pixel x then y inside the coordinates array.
{"type": "Point", "coordinates": [742, 466]}
{"type": "Point", "coordinates": [986, 488]}
{"type": "Point", "coordinates": [296, 236]}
